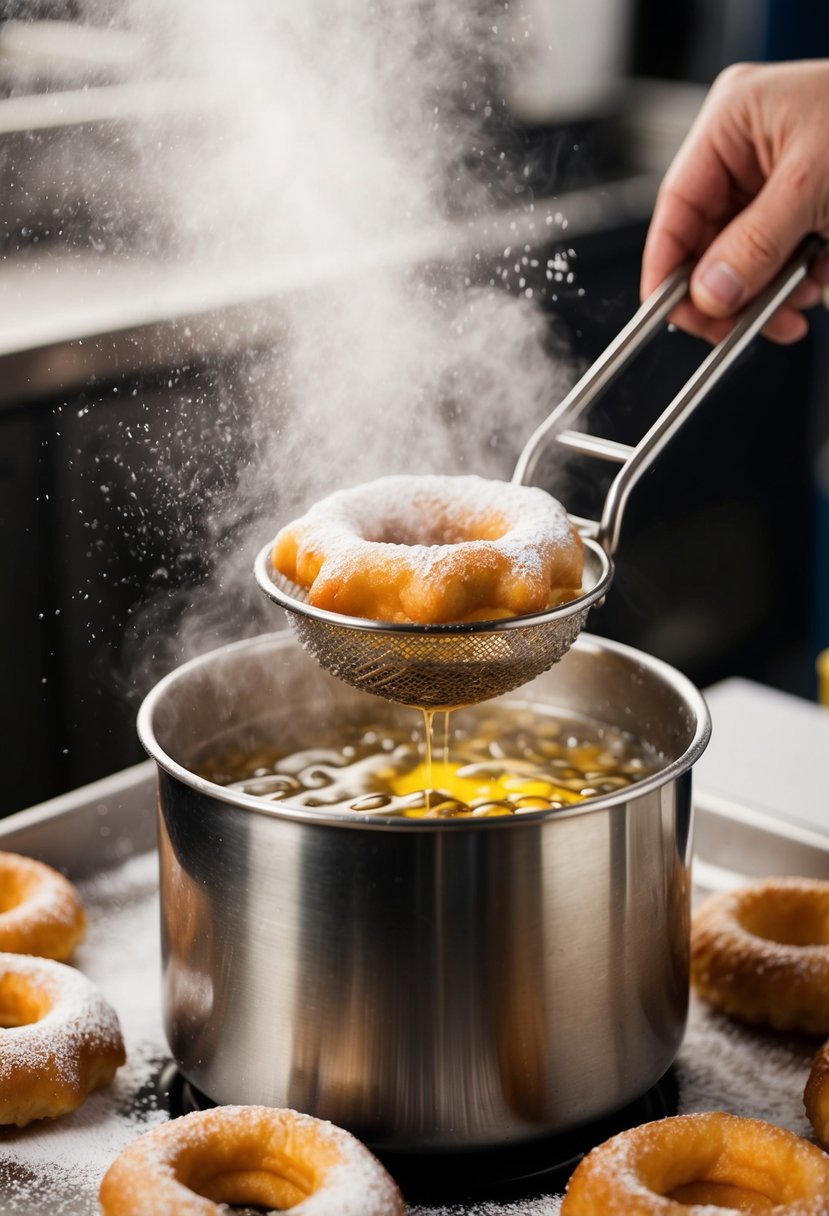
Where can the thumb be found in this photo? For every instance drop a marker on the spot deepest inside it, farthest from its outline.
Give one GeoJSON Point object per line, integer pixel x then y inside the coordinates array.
{"type": "Point", "coordinates": [750, 250]}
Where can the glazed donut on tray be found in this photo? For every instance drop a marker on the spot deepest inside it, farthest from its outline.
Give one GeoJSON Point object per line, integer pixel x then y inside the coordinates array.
{"type": "Point", "coordinates": [816, 1095]}
{"type": "Point", "coordinates": [245, 1155]}
{"type": "Point", "coordinates": [761, 953]}
{"type": "Point", "coordinates": [433, 550]}
{"type": "Point", "coordinates": [40, 911]}
{"type": "Point", "coordinates": [59, 1039]}
{"type": "Point", "coordinates": [687, 1165]}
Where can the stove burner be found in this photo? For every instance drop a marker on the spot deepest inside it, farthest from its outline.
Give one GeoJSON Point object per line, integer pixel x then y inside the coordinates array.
{"type": "Point", "coordinates": [539, 1168]}
{"type": "Point", "coordinates": [178, 1095]}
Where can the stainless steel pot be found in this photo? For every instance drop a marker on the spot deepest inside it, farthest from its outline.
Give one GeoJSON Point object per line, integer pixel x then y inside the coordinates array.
{"type": "Point", "coordinates": [424, 983]}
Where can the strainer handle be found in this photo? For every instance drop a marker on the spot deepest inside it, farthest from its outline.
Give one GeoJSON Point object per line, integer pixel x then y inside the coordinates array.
{"type": "Point", "coordinates": [645, 323]}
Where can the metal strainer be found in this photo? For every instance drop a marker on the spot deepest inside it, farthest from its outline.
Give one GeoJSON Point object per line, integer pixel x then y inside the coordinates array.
{"type": "Point", "coordinates": [444, 666]}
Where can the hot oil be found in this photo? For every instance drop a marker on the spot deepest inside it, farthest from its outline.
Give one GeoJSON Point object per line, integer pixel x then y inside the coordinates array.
{"type": "Point", "coordinates": [485, 761]}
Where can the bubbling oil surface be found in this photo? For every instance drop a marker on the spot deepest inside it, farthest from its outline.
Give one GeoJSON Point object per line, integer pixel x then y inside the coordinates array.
{"type": "Point", "coordinates": [504, 760]}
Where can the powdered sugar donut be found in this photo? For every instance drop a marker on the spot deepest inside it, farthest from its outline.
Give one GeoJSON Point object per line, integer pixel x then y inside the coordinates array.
{"type": "Point", "coordinates": [816, 1095]}
{"type": "Point", "coordinates": [761, 953]}
{"type": "Point", "coordinates": [433, 550]}
{"type": "Point", "coordinates": [248, 1155]}
{"type": "Point", "coordinates": [59, 1039]}
{"type": "Point", "coordinates": [40, 911]}
{"type": "Point", "coordinates": [698, 1164]}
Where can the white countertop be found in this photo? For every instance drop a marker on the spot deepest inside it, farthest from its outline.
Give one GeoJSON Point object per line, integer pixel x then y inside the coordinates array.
{"type": "Point", "coordinates": [769, 752]}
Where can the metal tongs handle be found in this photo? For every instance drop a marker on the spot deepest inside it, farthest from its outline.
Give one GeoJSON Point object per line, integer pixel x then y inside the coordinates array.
{"type": "Point", "coordinates": [643, 326]}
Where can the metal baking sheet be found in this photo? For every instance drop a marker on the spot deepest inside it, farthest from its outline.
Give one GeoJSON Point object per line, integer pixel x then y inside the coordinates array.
{"type": "Point", "coordinates": [103, 837]}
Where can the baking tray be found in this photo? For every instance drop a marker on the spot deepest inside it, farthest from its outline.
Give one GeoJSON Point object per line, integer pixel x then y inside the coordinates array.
{"type": "Point", "coordinates": [103, 837]}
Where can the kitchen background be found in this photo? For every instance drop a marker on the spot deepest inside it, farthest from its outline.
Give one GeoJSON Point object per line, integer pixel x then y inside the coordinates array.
{"type": "Point", "coordinates": [163, 312]}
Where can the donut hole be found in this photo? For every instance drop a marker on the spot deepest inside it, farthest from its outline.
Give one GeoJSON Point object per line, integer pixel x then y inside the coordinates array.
{"type": "Point", "coordinates": [15, 888]}
{"type": "Point", "coordinates": [255, 1188]}
{"type": "Point", "coordinates": [434, 528]}
{"type": "Point", "coordinates": [789, 917]}
{"type": "Point", "coordinates": [721, 1195]}
{"type": "Point", "coordinates": [247, 1175]}
{"type": "Point", "coordinates": [711, 1174]}
{"type": "Point", "coordinates": [734, 1165]}
{"type": "Point", "coordinates": [21, 1001]}
{"type": "Point", "coordinates": [726, 1179]}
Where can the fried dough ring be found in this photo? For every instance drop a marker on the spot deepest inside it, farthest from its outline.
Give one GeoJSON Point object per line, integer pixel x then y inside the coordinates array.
{"type": "Point", "coordinates": [248, 1155]}
{"type": "Point", "coordinates": [59, 1039]}
{"type": "Point", "coordinates": [680, 1165]}
{"type": "Point", "coordinates": [816, 1095]}
{"type": "Point", "coordinates": [761, 953]}
{"type": "Point", "coordinates": [433, 550]}
{"type": "Point", "coordinates": [40, 911]}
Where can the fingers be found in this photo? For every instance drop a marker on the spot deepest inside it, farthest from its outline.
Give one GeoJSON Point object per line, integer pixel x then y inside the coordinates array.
{"type": "Point", "coordinates": [807, 295]}
{"type": "Point", "coordinates": [671, 240]}
{"type": "Point", "coordinates": [787, 325]}
{"type": "Point", "coordinates": [755, 245]}
{"type": "Point", "coordinates": [719, 287]}
{"type": "Point", "coordinates": [750, 181]}
{"type": "Point", "coordinates": [696, 197]}
{"type": "Point", "coordinates": [681, 227]}
{"type": "Point", "coordinates": [664, 251]}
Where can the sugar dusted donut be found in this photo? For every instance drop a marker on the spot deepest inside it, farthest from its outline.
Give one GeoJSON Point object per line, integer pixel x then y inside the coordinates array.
{"type": "Point", "coordinates": [761, 953]}
{"type": "Point", "coordinates": [248, 1155]}
{"type": "Point", "coordinates": [688, 1165]}
{"type": "Point", "coordinates": [40, 911]}
{"type": "Point", "coordinates": [59, 1039]}
{"type": "Point", "coordinates": [816, 1095]}
{"type": "Point", "coordinates": [433, 550]}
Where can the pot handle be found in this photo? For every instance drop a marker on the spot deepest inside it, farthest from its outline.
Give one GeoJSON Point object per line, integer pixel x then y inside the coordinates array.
{"type": "Point", "coordinates": [641, 328]}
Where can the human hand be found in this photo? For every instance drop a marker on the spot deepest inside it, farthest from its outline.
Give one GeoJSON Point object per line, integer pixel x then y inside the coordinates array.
{"type": "Point", "coordinates": [749, 182]}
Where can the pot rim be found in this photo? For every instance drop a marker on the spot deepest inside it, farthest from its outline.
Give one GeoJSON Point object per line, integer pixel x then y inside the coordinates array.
{"type": "Point", "coordinates": [681, 685]}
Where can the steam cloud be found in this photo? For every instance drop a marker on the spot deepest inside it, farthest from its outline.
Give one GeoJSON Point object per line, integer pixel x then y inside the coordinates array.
{"type": "Point", "coordinates": [345, 138]}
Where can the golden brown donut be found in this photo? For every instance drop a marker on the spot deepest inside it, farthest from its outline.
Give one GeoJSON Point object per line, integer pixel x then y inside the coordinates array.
{"type": "Point", "coordinates": [433, 550]}
{"type": "Point", "coordinates": [59, 1039]}
{"type": "Point", "coordinates": [40, 911]}
{"type": "Point", "coordinates": [680, 1165]}
{"type": "Point", "coordinates": [761, 953]}
{"type": "Point", "coordinates": [816, 1095]}
{"type": "Point", "coordinates": [248, 1155]}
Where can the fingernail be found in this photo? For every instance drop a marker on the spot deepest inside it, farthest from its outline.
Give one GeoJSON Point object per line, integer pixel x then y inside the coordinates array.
{"type": "Point", "coordinates": [722, 284]}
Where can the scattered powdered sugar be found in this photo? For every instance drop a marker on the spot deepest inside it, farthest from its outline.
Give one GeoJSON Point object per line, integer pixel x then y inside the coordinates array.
{"type": "Point", "coordinates": [546, 1205]}
{"type": "Point", "coordinates": [56, 1166]}
{"type": "Point", "coordinates": [746, 1070]}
